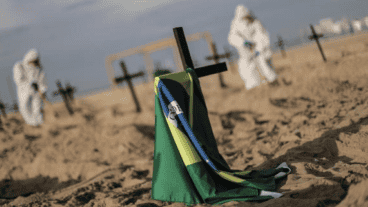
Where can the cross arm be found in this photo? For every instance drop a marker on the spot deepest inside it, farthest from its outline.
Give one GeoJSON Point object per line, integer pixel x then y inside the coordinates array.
{"type": "Point", "coordinates": [139, 74]}
{"type": "Point", "coordinates": [121, 79]}
{"type": "Point", "coordinates": [60, 91]}
{"type": "Point", "coordinates": [70, 89]}
{"type": "Point", "coordinates": [226, 55]}
{"type": "Point", "coordinates": [311, 37]}
{"type": "Point", "coordinates": [211, 69]}
{"type": "Point", "coordinates": [212, 58]}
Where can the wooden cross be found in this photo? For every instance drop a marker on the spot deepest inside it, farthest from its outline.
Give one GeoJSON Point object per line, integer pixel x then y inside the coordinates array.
{"type": "Point", "coordinates": [127, 77]}
{"type": "Point", "coordinates": [187, 60]}
{"type": "Point", "coordinates": [2, 108]}
{"type": "Point", "coordinates": [15, 107]}
{"type": "Point", "coordinates": [11, 91]}
{"type": "Point", "coordinates": [216, 57]}
{"type": "Point", "coordinates": [66, 94]}
{"type": "Point", "coordinates": [281, 45]}
{"type": "Point", "coordinates": [1, 123]}
{"type": "Point", "coordinates": [70, 91]}
{"type": "Point", "coordinates": [316, 36]}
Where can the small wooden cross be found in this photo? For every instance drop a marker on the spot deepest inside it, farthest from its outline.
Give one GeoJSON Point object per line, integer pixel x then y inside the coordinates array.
{"type": "Point", "coordinates": [70, 91]}
{"type": "Point", "coordinates": [66, 94]}
{"type": "Point", "coordinates": [316, 36]}
{"type": "Point", "coordinates": [11, 91]}
{"type": "Point", "coordinates": [2, 108]}
{"type": "Point", "coordinates": [127, 77]}
{"type": "Point", "coordinates": [216, 57]}
{"type": "Point", "coordinates": [15, 107]}
{"type": "Point", "coordinates": [281, 45]}
{"type": "Point", "coordinates": [187, 60]}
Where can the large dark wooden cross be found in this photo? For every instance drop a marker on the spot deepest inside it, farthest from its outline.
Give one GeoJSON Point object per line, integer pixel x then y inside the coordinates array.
{"type": "Point", "coordinates": [281, 45]}
{"type": "Point", "coordinates": [127, 77]}
{"type": "Point", "coordinates": [187, 60]}
{"type": "Point", "coordinates": [316, 36]}
{"type": "Point", "coordinates": [66, 94]}
{"type": "Point", "coordinates": [216, 57]}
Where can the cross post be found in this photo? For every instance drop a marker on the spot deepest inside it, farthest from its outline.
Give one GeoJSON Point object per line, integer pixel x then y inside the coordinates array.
{"type": "Point", "coordinates": [187, 60]}
{"type": "Point", "coordinates": [316, 36]}
{"type": "Point", "coordinates": [281, 45]}
{"type": "Point", "coordinates": [65, 94]}
{"type": "Point", "coordinates": [216, 57]}
{"type": "Point", "coordinates": [127, 77]}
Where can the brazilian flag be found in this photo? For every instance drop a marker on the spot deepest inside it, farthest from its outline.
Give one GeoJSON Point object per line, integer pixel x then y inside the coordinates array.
{"type": "Point", "coordinates": [188, 167]}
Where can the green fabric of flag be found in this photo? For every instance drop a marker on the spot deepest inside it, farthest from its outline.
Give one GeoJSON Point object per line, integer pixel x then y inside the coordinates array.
{"type": "Point", "coordinates": [188, 167]}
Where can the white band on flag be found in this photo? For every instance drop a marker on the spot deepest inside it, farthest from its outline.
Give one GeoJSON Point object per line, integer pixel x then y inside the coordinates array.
{"type": "Point", "coordinates": [175, 108]}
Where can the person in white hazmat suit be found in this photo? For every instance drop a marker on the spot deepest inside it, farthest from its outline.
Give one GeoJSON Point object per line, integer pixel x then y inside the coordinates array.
{"type": "Point", "coordinates": [252, 41]}
{"type": "Point", "coordinates": [31, 87]}
{"type": "Point", "coordinates": [357, 25]}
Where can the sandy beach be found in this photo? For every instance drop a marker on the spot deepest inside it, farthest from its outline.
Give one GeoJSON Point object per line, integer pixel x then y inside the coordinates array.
{"type": "Point", "coordinates": [316, 120]}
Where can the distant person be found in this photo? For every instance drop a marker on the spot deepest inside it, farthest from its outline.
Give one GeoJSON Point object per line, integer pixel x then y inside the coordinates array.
{"type": "Point", "coordinates": [31, 87]}
{"type": "Point", "coordinates": [336, 28]}
{"type": "Point", "coordinates": [365, 20]}
{"type": "Point", "coordinates": [357, 25]}
{"type": "Point", "coordinates": [252, 41]}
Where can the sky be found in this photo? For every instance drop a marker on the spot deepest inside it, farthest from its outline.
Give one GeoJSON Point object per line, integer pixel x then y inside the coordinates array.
{"type": "Point", "coordinates": [75, 37]}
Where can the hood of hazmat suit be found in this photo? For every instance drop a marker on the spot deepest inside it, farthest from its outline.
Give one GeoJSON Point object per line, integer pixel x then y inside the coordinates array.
{"type": "Point", "coordinates": [31, 55]}
{"type": "Point", "coordinates": [26, 74]}
{"type": "Point", "coordinates": [240, 12]}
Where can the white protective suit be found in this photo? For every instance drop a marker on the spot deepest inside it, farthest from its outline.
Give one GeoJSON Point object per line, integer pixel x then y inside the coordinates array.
{"type": "Point", "coordinates": [241, 31]}
{"type": "Point", "coordinates": [29, 100]}
{"type": "Point", "coordinates": [357, 25]}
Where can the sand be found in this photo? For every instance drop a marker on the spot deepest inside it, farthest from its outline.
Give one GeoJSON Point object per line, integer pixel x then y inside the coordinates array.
{"type": "Point", "coordinates": [316, 120]}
